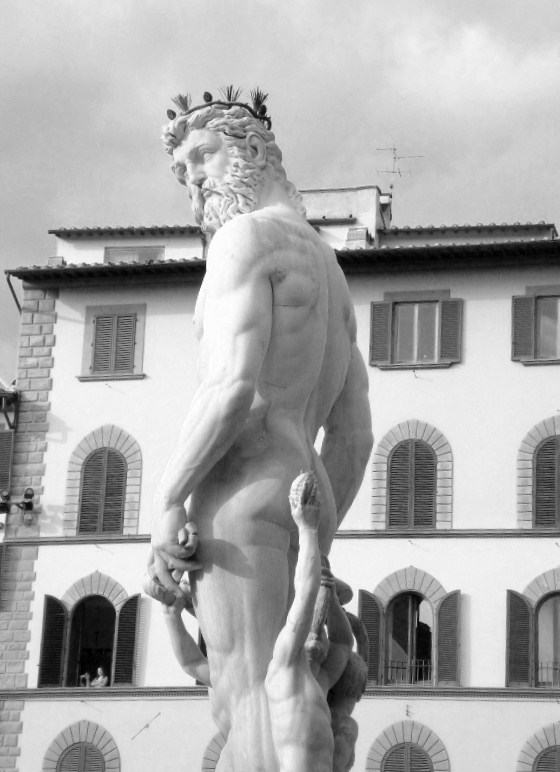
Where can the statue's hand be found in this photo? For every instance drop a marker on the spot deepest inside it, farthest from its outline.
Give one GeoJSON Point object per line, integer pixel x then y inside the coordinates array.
{"type": "Point", "coordinates": [170, 558]}
{"type": "Point", "coordinates": [304, 501]}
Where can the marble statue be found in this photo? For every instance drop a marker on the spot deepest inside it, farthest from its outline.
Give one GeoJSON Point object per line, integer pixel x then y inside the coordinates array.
{"type": "Point", "coordinates": [278, 362]}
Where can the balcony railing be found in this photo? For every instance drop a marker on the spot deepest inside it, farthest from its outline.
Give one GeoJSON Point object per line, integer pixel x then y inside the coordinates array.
{"type": "Point", "coordinates": [415, 671]}
{"type": "Point", "coordinates": [548, 674]}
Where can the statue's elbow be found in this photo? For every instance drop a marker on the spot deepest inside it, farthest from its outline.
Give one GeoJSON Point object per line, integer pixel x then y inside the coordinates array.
{"type": "Point", "coordinates": [238, 398]}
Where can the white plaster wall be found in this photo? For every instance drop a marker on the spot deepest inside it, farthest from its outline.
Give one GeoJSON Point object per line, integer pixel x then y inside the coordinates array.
{"type": "Point", "coordinates": [86, 249]}
{"type": "Point", "coordinates": [484, 406]}
{"type": "Point", "coordinates": [482, 569]}
{"type": "Point", "coordinates": [151, 410]}
{"type": "Point", "coordinates": [175, 740]}
{"type": "Point", "coordinates": [485, 735]}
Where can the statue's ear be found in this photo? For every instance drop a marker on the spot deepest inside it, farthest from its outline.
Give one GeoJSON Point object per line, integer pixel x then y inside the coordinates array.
{"type": "Point", "coordinates": [256, 149]}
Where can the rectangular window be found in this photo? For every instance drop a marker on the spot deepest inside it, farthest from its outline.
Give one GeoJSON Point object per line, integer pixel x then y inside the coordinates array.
{"type": "Point", "coordinates": [113, 342]}
{"type": "Point", "coordinates": [415, 338]}
{"type": "Point", "coordinates": [548, 329]}
{"type": "Point", "coordinates": [536, 326]}
{"type": "Point", "coordinates": [133, 254]}
{"type": "Point", "coordinates": [416, 329]}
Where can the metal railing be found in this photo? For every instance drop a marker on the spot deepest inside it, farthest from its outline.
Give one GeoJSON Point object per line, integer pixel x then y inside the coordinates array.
{"type": "Point", "coordinates": [415, 671]}
{"type": "Point", "coordinates": [548, 674]}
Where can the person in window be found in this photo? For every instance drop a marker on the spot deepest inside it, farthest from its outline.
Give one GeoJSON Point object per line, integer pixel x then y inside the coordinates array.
{"type": "Point", "coordinates": [100, 679]}
{"type": "Point", "coordinates": [85, 679]}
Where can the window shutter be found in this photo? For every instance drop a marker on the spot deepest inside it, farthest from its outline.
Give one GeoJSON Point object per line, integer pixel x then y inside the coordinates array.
{"type": "Point", "coordinates": [399, 485]}
{"type": "Point", "coordinates": [91, 498]}
{"type": "Point", "coordinates": [419, 761]}
{"type": "Point", "coordinates": [380, 334]}
{"type": "Point", "coordinates": [70, 761]}
{"type": "Point", "coordinates": [102, 344]}
{"type": "Point", "coordinates": [371, 615]}
{"type": "Point", "coordinates": [424, 501]}
{"type": "Point", "coordinates": [6, 450]}
{"type": "Point", "coordinates": [546, 483]}
{"type": "Point", "coordinates": [395, 760]}
{"type": "Point", "coordinates": [519, 670]}
{"type": "Point", "coordinates": [548, 760]}
{"type": "Point", "coordinates": [450, 331]}
{"type": "Point", "coordinates": [126, 642]}
{"type": "Point", "coordinates": [114, 492]}
{"type": "Point", "coordinates": [93, 758]}
{"type": "Point", "coordinates": [448, 640]}
{"type": "Point", "coordinates": [53, 643]}
{"type": "Point", "coordinates": [81, 757]}
{"type": "Point", "coordinates": [103, 492]}
{"type": "Point", "coordinates": [124, 343]}
{"type": "Point", "coordinates": [523, 327]}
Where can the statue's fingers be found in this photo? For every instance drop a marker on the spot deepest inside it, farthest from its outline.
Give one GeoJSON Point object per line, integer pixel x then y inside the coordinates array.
{"type": "Point", "coordinates": [184, 565]}
{"type": "Point", "coordinates": [188, 539]}
{"type": "Point", "coordinates": [164, 576]}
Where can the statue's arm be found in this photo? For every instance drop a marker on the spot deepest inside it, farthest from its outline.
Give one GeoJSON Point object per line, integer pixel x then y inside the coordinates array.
{"type": "Point", "coordinates": [186, 651]}
{"type": "Point", "coordinates": [293, 635]}
{"type": "Point", "coordinates": [348, 437]}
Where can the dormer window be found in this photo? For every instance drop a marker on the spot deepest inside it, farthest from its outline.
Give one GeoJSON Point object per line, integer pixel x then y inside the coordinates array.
{"type": "Point", "coordinates": [133, 254]}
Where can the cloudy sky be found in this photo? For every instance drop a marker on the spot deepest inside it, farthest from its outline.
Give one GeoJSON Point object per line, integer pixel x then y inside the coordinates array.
{"type": "Point", "coordinates": [471, 86]}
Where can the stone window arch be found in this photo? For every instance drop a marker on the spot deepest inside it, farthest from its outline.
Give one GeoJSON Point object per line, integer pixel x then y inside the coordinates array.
{"type": "Point", "coordinates": [546, 739]}
{"type": "Point", "coordinates": [414, 588]}
{"type": "Point", "coordinates": [412, 734]}
{"type": "Point", "coordinates": [85, 733]}
{"type": "Point", "coordinates": [421, 434]}
{"type": "Point", "coordinates": [526, 463]}
{"type": "Point", "coordinates": [121, 443]}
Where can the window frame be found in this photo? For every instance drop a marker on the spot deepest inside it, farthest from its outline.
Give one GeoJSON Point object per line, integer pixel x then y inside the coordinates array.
{"type": "Point", "coordinates": [413, 444]}
{"type": "Point", "coordinates": [555, 439]}
{"type": "Point", "coordinates": [524, 330]}
{"type": "Point", "coordinates": [383, 341]}
{"type": "Point", "coordinates": [105, 453]}
{"type": "Point", "coordinates": [92, 314]}
{"type": "Point", "coordinates": [157, 251]}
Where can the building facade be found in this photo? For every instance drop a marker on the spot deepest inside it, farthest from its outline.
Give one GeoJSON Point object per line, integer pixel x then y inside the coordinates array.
{"type": "Point", "coordinates": [451, 547]}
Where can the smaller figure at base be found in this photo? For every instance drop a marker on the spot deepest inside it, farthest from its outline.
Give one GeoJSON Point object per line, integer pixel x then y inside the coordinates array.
{"type": "Point", "coordinates": [186, 650]}
{"type": "Point", "coordinates": [299, 714]}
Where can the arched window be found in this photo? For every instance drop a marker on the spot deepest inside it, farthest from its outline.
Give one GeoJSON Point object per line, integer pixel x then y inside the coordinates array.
{"type": "Point", "coordinates": [409, 640]}
{"type": "Point", "coordinates": [81, 757]}
{"type": "Point", "coordinates": [103, 492]}
{"type": "Point", "coordinates": [96, 633]}
{"type": "Point", "coordinates": [406, 757]}
{"type": "Point", "coordinates": [412, 485]}
{"type": "Point", "coordinates": [548, 642]}
{"type": "Point", "coordinates": [92, 632]}
{"type": "Point", "coordinates": [546, 487]}
{"type": "Point", "coordinates": [548, 760]}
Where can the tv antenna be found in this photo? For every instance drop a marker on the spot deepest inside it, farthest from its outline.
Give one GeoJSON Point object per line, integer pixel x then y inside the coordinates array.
{"type": "Point", "coordinates": [396, 170]}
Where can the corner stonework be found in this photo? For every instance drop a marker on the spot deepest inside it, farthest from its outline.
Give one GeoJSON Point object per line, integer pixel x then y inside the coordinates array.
{"type": "Point", "coordinates": [34, 384]}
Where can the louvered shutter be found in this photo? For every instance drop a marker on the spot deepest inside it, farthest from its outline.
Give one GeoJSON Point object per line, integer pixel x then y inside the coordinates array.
{"type": "Point", "coordinates": [418, 760]}
{"type": "Point", "coordinates": [113, 344]}
{"type": "Point", "coordinates": [81, 757]}
{"type": "Point", "coordinates": [124, 343]}
{"type": "Point", "coordinates": [523, 327]}
{"type": "Point", "coordinates": [448, 640]}
{"type": "Point", "coordinates": [548, 760]}
{"type": "Point", "coordinates": [91, 497]}
{"type": "Point", "coordinates": [6, 451]}
{"type": "Point", "coordinates": [519, 670]}
{"type": "Point", "coordinates": [371, 615]}
{"type": "Point", "coordinates": [126, 642]}
{"type": "Point", "coordinates": [395, 760]}
{"type": "Point", "coordinates": [380, 333]}
{"type": "Point", "coordinates": [399, 485]}
{"type": "Point", "coordinates": [103, 492]}
{"type": "Point", "coordinates": [424, 465]}
{"type": "Point", "coordinates": [451, 323]}
{"type": "Point", "coordinates": [53, 643]}
{"type": "Point", "coordinates": [546, 482]}
{"type": "Point", "coordinates": [114, 492]}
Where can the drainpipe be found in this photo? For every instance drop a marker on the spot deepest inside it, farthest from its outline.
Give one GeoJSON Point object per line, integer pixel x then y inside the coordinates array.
{"type": "Point", "coordinates": [9, 280]}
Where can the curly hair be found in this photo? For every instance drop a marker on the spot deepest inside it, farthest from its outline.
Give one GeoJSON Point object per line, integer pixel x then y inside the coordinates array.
{"type": "Point", "coordinates": [235, 124]}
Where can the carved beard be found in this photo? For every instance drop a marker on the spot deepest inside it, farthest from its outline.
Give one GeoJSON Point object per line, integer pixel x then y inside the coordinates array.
{"type": "Point", "coordinates": [217, 201]}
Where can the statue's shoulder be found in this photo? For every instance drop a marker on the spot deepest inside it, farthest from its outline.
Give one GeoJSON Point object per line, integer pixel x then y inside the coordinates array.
{"type": "Point", "coordinates": [243, 239]}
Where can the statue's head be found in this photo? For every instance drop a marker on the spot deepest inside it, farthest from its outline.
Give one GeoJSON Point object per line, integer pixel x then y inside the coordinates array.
{"type": "Point", "coordinates": [223, 152]}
